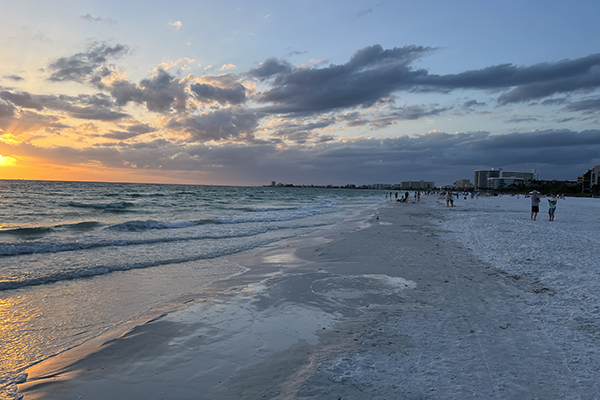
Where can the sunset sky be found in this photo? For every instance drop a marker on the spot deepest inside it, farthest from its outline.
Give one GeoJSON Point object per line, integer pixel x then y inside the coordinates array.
{"type": "Point", "coordinates": [321, 92]}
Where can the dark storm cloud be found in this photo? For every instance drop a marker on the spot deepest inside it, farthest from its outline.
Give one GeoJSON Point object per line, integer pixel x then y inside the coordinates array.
{"type": "Point", "coordinates": [226, 124]}
{"type": "Point", "coordinates": [88, 66]}
{"type": "Point", "coordinates": [208, 93]}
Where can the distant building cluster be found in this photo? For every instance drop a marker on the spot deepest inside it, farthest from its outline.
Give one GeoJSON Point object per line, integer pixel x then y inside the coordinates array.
{"type": "Point", "coordinates": [590, 179]}
{"type": "Point", "coordinates": [491, 179]}
{"type": "Point", "coordinates": [417, 185]}
{"type": "Point", "coordinates": [463, 184]}
{"type": "Point", "coordinates": [498, 179]}
{"type": "Point", "coordinates": [404, 185]}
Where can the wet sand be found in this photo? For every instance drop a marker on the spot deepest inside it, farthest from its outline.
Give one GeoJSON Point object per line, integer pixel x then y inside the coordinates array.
{"type": "Point", "coordinates": [387, 311]}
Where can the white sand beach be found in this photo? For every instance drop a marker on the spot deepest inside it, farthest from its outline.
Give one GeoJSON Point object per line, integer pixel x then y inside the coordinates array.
{"type": "Point", "coordinates": [393, 308]}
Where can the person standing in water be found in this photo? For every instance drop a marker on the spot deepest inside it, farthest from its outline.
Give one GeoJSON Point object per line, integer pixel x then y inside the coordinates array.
{"type": "Point", "coordinates": [552, 207]}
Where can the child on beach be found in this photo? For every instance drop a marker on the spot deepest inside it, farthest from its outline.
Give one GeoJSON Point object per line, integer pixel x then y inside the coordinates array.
{"type": "Point", "coordinates": [552, 207]}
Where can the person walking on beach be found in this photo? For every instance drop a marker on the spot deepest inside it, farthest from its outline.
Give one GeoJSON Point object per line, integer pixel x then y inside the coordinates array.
{"type": "Point", "coordinates": [449, 200]}
{"type": "Point", "coordinates": [535, 205]}
{"type": "Point", "coordinates": [552, 207]}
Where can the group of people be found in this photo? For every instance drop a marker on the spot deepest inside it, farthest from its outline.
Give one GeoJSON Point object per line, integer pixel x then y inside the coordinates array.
{"type": "Point", "coordinates": [535, 205]}
{"type": "Point", "coordinates": [403, 199]}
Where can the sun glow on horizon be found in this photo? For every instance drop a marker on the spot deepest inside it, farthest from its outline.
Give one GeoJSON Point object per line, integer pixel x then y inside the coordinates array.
{"type": "Point", "coordinates": [6, 161]}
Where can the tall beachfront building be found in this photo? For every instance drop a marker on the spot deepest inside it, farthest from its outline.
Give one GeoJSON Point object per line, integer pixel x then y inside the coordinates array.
{"type": "Point", "coordinates": [494, 179]}
{"type": "Point", "coordinates": [481, 178]}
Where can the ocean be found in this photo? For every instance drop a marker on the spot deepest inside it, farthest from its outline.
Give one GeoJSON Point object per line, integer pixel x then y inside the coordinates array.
{"type": "Point", "coordinates": [79, 258]}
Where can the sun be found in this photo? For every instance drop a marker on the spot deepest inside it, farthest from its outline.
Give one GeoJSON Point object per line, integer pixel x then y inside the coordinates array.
{"type": "Point", "coordinates": [6, 161]}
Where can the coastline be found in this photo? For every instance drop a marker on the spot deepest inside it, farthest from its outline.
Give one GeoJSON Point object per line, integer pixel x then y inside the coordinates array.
{"type": "Point", "coordinates": [389, 310]}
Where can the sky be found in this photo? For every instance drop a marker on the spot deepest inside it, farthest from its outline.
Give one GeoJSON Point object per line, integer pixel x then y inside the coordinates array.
{"type": "Point", "coordinates": [303, 92]}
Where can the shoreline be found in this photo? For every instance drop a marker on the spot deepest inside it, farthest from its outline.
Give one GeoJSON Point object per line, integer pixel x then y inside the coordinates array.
{"type": "Point", "coordinates": [390, 310]}
{"type": "Point", "coordinates": [62, 367]}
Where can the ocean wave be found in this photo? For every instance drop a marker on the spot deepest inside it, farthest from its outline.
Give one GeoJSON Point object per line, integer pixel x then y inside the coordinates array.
{"type": "Point", "coordinates": [103, 206]}
{"type": "Point", "coordinates": [24, 248]}
{"type": "Point", "coordinates": [140, 226]}
{"type": "Point", "coordinates": [35, 231]}
{"type": "Point", "coordinates": [268, 209]}
{"type": "Point", "coordinates": [80, 226]}
{"type": "Point", "coordinates": [76, 273]}
{"type": "Point", "coordinates": [269, 216]}
{"type": "Point", "coordinates": [137, 195]}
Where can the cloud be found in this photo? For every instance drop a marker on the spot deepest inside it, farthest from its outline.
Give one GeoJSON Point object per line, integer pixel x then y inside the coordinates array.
{"type": "Point", "coordinates": [587, 106]}
{"type": "Point", "coordinates": [520, 119]}
{"type": "Point", "coordinates": [371, 74]}
{"type": "Point", "coordinates": [279, 121]}
{"type": "Point", "coordinates": [15, 78]}
{"type": "Point", "coordinates": [176, 24]}
{"type": "Point", "coordinates": [364, 12]}
{"type": "Point", "coordinates": [300, 131]}
{"type": "Point", "coordinates": [369, 10]}
{"type": "Point", "coordinates": [130, 132]}
{"type": "Point", "coordinates": [226, 124]}
{"type": "Point", "coordinates": [374, 74]}
{"type": "Point", "coordinates": [227, 67]}
{"type": "Point", "coordinates": [436, 156]}
{"type": "Point", "coordinates": [23, 99]}
{"type": "Point", "coordinates": [6, 110]}
{"type": "Point", "coordinates": [209, 93]}
{"type": "Point", "coordinates": [271, 67]}
{"type": "Point", "coordinates": [524, 83]}
{"type": "Point", "coordinates": [24, 121]}
{"type": "Point", "coordinates": [88, 66]}
{"type": "Point", "coordinates": [473, 103]}
{"type": "Point", "coordinates": [89, 18]}
{"type": "Point", "coordinates": [91, 107]}
{"type": "Point", "coordinates": [161, 93]}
